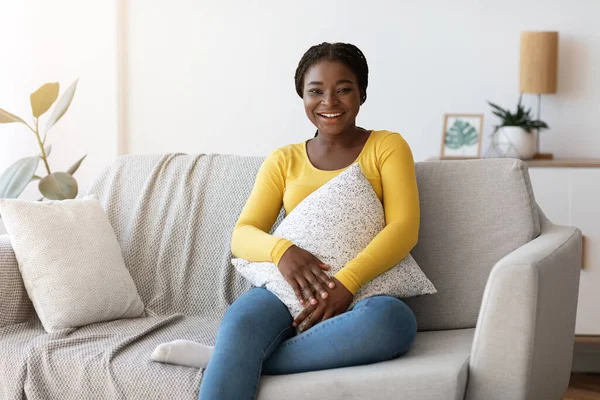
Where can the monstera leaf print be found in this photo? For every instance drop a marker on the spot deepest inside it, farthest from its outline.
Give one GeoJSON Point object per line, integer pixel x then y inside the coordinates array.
{"type": "Point", "coordinates": [460, 134]}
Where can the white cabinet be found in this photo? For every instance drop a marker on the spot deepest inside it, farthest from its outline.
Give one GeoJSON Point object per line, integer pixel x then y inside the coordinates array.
{"type": "Point", "coordinates": [571, 196]}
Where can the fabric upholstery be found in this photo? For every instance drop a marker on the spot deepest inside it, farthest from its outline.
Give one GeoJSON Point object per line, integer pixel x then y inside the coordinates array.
{"type": "Point", "coordinates": [473, 213]}
{"type": "Point", "coordinates": [335, 223]}
{"type": "Point", "coordinates": [435, 368]}
{"type": "Point", "coordinates": [523, 345]}
{"type": "Point", "coordinates": [15, 306]}
{"type": "Point", "coordinates": [70, 262]}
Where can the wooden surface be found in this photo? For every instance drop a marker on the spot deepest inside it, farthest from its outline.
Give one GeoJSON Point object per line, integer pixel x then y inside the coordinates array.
{"type": "Point", "coordinates": [554, 163]}
{"type": "Point", "coordinates": [583, 387]}
{"type": "Point", "coordinates": [587, 339]}
{"type": "Point", "coordinates": [566, 163]}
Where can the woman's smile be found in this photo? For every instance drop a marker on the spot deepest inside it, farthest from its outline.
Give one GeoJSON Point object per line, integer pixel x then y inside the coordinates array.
{"type": "Point", "coordinates": [330, 117]}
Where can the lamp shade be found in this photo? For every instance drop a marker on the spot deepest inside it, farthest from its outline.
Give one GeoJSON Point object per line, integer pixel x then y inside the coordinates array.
{"type": "Point", "coordinates": [539, 62]}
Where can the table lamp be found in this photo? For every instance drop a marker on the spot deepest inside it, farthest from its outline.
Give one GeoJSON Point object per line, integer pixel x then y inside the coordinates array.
{"type": "Point", "coordinates": [538, 70]}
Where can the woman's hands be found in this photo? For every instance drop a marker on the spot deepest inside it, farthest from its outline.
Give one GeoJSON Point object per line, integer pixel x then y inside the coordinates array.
{"type": "Point", "coordinates": [304, 272]}
{"type": "Point", "coordinates": [337, 303]}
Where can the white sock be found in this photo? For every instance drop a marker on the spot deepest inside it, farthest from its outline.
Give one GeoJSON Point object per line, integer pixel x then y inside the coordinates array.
{"type": "Point", "coordinates": [183, 352]}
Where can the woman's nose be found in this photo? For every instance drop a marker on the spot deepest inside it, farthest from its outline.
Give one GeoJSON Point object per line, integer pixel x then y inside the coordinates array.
{"type": "Point", "coordinates": [329, 99]}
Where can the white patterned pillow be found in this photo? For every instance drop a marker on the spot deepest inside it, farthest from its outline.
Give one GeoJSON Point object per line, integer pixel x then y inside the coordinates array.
{"type": "Point", "coordinates": [335, 223]}
{"type": "Point", "coordinates": [70, 261]}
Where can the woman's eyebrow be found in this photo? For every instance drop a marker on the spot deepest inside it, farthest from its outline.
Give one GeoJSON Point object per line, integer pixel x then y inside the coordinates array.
{"type": "Point", "coordinates": [338, 82]}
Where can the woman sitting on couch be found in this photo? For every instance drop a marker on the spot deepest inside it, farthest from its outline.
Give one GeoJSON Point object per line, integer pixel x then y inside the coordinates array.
{"type": "Point", "coordinates": [257, 334]}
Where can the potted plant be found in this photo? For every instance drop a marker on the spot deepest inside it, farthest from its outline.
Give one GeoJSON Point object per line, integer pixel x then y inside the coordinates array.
{"type": "Point", "coordinates": [518, 128]}
{"type": "Point", "coordinates": [55, 185]}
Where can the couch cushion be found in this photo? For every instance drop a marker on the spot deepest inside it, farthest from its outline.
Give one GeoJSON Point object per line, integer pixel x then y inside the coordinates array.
{"type": "Point", "coordinates": [108, 360]}
{"type": "Point", "coordinates": [436, 367]}
{"type": "Point", "coordinates": [473, 213]}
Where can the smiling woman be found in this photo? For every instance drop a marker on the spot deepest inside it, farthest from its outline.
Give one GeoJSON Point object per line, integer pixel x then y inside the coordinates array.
{"type": "Point", "coordinates": [257, 332]}
{"type": "Point", "coordinates": [344, 69]}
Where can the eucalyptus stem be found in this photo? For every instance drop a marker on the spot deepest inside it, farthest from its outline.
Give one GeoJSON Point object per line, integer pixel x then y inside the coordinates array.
{"type": "Point", "coordinates": [44, 157]}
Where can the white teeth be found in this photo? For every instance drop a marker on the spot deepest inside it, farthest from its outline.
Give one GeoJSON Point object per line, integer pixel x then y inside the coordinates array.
{"type": "Point", "coordinates": [331, 115]}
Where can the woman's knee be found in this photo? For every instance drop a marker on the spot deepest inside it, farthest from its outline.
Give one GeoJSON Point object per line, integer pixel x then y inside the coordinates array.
{"type": "Point", "coordinates": [255, 308]}
{"type": "Point", "coordinates": [394, 321]}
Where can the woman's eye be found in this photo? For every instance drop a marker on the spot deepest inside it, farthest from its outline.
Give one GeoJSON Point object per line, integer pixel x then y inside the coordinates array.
{"type": "Point", "coordinates": [344, 90]}
{"type": "Point", "coordinates": [314, 91]}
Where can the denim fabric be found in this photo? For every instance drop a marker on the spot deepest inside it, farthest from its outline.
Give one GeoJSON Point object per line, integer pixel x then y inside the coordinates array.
{"type": "Point", "coordinates": [256, 336]}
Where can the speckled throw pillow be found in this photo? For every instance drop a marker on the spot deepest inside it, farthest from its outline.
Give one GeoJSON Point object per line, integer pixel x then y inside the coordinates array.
{"type": "Point", "coordinates": [335, 223]}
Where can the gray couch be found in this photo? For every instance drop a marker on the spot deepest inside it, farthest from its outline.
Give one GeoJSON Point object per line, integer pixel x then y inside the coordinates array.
{"type": "Point", "coordinates": [501, 326]}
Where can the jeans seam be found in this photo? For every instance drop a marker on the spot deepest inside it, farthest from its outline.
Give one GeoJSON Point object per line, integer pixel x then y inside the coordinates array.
{"type": "Point", "coordinates": [257, 379]}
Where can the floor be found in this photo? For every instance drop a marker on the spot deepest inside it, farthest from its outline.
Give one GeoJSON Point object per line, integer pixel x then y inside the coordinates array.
{"type": "Point", "coordinates": [583, 387]}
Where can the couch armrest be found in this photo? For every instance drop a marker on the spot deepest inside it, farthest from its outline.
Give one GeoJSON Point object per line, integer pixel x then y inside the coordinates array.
{"type": "Point", "coordinates": [15, 306]}
{"type": "Point", "coordinates": [523, 344]}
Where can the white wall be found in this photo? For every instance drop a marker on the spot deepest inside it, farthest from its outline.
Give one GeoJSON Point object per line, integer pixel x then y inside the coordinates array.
{"type": "Point", "coordinates": [60, 41]}
{"type": "Point", "coordinates": [208, 76]}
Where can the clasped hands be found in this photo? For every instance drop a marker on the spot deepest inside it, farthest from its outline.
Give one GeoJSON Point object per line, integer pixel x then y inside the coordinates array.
{"type": "Point", "coordinates": [322, 296]}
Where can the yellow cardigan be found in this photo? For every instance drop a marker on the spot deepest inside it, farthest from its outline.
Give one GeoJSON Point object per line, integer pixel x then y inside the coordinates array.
{"type": "Point", "coordinates": [287, 176]}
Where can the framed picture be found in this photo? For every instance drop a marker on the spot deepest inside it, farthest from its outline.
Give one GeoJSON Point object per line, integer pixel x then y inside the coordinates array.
{"type": "Point", "coordinates": [462, 136]}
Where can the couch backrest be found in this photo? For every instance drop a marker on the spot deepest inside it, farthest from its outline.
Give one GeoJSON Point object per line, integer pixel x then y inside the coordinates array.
{"type": "Point", "coordinates": [473, 213]}
{"type": "Point", "coordinates": [174, 214]}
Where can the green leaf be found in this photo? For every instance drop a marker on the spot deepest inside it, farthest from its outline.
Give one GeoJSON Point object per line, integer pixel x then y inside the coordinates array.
{"type": "Point", "coordinates": [520, 112]}
{"type": "Point", "coordinates": [75, 166]}
{"type": "Point", "coordinates": [496, 113]}
{"type": "Point", "coordinates": [539, 125]}
{"type": "Point", "coordinates": [7, 118]}
{"type": "Point", "coordinates": [498, 108]}
{"type": "Point", "coordinates": [14, 180]}
{"type": "Point", "coordinates": [62, 106]}
{"type": "Point", "coordinates": [58, 186]}
{"type": "Point", "coordinates": [460, 134]}
{"type": "Point", "coordinates": [43, 98]}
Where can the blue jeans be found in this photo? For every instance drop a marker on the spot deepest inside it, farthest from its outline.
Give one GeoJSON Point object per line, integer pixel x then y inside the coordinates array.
{"type": "Point", "coordinates": [256, 336]}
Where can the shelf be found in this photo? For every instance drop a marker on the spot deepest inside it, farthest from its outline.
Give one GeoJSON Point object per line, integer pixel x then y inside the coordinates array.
{"type": "Point", "coordinates": [554, 163]}
{"type": "Point", "coordinates": [587, 339]}
{"type": "Point", "coordinates": [566, 163]}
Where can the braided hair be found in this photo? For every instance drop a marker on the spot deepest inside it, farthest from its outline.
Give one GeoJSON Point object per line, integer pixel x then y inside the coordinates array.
{"type": "Point", "coordinates": [346, 53]}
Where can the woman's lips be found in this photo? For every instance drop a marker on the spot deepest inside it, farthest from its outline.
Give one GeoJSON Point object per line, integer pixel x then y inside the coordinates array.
{"type": "Point", "coordinates": [331, 117]}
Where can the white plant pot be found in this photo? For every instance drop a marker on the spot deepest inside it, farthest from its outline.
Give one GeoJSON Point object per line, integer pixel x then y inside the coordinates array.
{"type": "Point", "coordinates": [522, 144]}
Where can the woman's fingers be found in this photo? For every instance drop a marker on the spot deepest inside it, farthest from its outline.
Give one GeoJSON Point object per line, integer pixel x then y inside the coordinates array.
{"type": "Point", "coordinates": [321, 264]}
{"type": "Point", "coordinates": [297, 290]}
{"type": "Point", "coordinates": [323, 277]}
{"type": "Point", "coordinates": [328, 314]}
{"type": "Point", "coordinates": [316, 284]}
{"type": "Point", "coordinates": [306, 289]}
{"type": "Point", "coordinates": [305, 313]}
{"type": "Point", "coordinates": [313, 318]}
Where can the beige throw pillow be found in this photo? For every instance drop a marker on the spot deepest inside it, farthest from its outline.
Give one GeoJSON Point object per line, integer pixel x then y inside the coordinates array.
{"type": "Point", "coordinates": [70, 261]}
